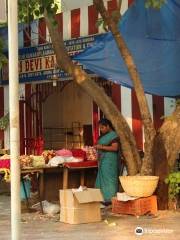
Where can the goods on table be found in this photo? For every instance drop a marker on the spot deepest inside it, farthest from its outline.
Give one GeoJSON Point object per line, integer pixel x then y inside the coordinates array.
{"type": "Point", "coordinates": [48, 154]}
{"type": "Point", "coordinates": [64, 153]}
{"type": "Point", "coordinates": [5, 163]}
{"type": "Point", "coordinates": [73, 159]}
{"type": "Point", "coordinates": [3, 151]}
{"type": "Point", "coordinates": [5, 168]}
{"type": "Point", "coordinates": [26, 161]}
{"type": "Point", "coordinates": [55, 161]}
{"type": "Point", "coordinates": [6, 173]}
{"type": "Point", "coordinates": [79, 153]}
{"type": "Point", "coordinates": [91, 153]}
{"type": "Point", "coordinates": [5, 156]}
{"type": "Point", "coordinates": [38, 161]}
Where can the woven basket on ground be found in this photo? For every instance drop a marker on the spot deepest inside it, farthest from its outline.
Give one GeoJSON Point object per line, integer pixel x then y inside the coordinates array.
{"type": "Point", "coordinates": [139, 186]}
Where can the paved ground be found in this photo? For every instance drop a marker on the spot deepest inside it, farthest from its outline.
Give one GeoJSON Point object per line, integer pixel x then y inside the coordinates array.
{"type": "Point", "coordinates": [36, 226]}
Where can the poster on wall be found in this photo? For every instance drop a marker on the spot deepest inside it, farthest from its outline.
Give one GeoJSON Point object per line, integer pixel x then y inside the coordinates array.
{"type": "Point", "coordinates": [38, 63]}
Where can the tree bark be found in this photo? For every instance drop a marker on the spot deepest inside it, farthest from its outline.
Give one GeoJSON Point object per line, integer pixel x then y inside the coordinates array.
{"type": "Point", "coordinates": [165, 152]}
{"type": "Point", "coordinates": [149, 130]}
{"type": "Point", "coordinates": [99, 96]}
{"type": "Point", "coordinates": [161, 170]}
{"type": "Point", "coordinates": [170, 131]}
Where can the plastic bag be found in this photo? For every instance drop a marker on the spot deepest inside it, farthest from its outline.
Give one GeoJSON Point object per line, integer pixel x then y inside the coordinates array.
{"type": "Point", "coordinates": [48, 208]}
{"type": "Point", "coordinates": [91, 153]}
{"type": "Point", "coordinates": [55, 161]}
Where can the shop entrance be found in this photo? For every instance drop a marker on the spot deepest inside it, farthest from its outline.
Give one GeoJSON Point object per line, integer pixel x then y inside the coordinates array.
{"type": "Point", "coordinates": [58, 115]}
{"type": "Point", "coordinates": [66, 114]}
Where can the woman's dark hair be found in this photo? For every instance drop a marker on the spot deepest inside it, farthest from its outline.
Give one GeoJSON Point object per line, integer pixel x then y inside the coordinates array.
{"type": "Point", "coordinates": [106, 122]}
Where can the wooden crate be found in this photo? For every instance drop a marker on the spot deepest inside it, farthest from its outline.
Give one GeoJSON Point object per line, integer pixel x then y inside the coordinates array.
{"type": "Point", "coordinates": [136, 207]}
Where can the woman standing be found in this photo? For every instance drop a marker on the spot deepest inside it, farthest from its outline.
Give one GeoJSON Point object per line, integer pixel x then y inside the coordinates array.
{"type": "Point", "coordinates": [108, 146]}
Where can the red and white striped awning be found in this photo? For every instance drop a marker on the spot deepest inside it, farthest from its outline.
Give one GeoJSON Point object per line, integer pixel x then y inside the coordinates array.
{"type": "Point", "coordinates": [74, 23]}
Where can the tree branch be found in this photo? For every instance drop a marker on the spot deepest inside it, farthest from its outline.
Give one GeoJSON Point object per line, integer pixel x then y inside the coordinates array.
{"type": "Point", "coordinates": [149, 130]}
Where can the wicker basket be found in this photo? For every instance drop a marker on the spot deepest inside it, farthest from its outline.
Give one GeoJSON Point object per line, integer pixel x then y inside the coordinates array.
{"type": "Point", "coordinates": [139, 186]}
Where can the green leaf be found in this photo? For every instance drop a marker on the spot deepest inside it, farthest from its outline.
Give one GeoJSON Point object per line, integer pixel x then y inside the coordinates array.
{"type": "Point", "coordinates": [166, 180]}
{"type": "Point", "coordinates": [156, 4]}
{"type": "Point", "coordinates": [37, 13]}
{"type": "Point", "coordinates": [174, 184]}
{"type": "Point", "coordinates": [177, 190]}
{"type": "Point", "coordinates": [54, 22]}
{"type": "Point", "coordinates": [41, 9]}
{"type": "Point", "coordinates": [55, 8]}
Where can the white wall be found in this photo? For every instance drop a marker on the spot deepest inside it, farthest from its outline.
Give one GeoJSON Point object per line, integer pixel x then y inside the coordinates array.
{"type": "Point", "coordinates": [60, 110]}
{"type": "Point", "coordinates": [70, 105]}
{"type": "Point", "coordinates": [6, 110]}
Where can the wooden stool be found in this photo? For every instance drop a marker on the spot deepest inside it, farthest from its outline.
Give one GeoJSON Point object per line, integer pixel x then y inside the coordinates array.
{"type": "Point", "coordinates": [136, 207]}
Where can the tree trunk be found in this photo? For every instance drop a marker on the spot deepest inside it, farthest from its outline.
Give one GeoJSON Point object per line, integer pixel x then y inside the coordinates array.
{"type": "Point", "coordinates": [165, 152]}
{"type": "Point", "coordinates": [171, 133]}
{"type": "Point", "coordinates": [149, 130]}
{"type": "Point", "coordinates": [99, 96]}
{"type": "Point", "coordinates": [161, 169]}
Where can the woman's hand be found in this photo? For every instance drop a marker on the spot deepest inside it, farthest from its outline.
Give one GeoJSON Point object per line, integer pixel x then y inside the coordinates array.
{"type": "Point", "coordinates": [113, 148]}
{"type": "Point", "coordinates": [99, 146]}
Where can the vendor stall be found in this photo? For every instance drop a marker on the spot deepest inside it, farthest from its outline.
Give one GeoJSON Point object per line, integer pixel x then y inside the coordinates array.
{"type": "Point", "coordinates": [50, 103]}
{"type": "Point", "coordinates": [60, 169]}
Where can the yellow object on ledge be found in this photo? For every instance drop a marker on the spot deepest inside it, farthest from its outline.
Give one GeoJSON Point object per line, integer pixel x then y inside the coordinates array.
{"type": "Point", "coordinates": [4, 151]}
{"type": "Point", "coordinates": [7, 175]}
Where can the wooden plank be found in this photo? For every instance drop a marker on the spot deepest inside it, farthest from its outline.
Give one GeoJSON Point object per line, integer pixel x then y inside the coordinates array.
{"type": "Point", "coordinates": [65, 178]}
{"type": "Point", "coordinates": [82, 177]}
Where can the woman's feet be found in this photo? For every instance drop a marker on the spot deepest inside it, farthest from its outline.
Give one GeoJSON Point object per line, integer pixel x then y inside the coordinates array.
{"type": "Point", "coordinates": [106, 203]}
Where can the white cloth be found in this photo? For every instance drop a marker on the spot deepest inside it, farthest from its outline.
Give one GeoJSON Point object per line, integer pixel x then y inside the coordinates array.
{"type": "Point", "coordinates": [124, 197]}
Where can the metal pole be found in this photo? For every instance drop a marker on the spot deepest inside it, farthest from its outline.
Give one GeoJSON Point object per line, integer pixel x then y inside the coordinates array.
{"type": "Point", "coordinates": [14, 119]}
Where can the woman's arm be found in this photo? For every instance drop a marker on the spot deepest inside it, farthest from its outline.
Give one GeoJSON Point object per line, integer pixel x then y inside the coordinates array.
{"type": "Point", "coordinates": [112, 148]}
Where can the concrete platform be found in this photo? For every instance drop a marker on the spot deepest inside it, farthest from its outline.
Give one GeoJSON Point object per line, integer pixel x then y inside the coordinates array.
{"type": "Point", "coordinates": [114, 227]}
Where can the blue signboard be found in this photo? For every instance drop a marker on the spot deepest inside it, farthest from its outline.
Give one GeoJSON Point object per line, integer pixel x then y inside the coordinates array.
{"type": "Point", "coordinates": [38, 63]}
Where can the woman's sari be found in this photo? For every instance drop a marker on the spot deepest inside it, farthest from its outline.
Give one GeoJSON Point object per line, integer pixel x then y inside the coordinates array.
{"type": "Point", "coordinates": [107, 177]}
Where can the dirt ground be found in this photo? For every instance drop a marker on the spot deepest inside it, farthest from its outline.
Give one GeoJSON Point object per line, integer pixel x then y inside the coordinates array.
{"type": "Point", "coordinates": [113, 227]}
